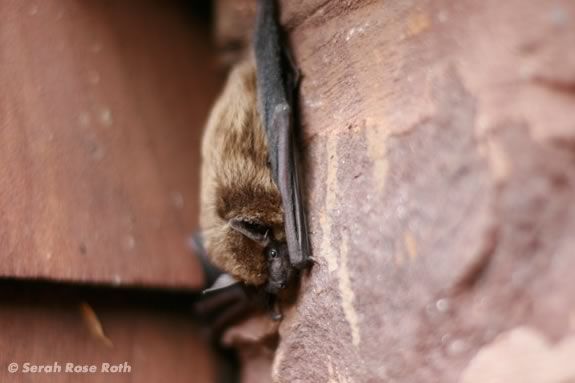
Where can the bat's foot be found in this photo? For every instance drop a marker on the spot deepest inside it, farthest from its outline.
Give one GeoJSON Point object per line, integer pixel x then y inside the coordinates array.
{"type": "Point", "coordinates": [311, 261]}
{"type": "Point", "coordinates": [304, 263]}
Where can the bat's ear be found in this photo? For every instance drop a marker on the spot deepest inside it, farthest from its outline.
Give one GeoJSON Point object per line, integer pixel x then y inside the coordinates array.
{"type": "Point", "coordinates": [254, 230]}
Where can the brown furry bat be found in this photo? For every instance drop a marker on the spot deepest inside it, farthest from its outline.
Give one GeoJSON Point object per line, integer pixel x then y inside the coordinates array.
{"type": "Point", "coordinates": [252, 215]}
{"type": "Point", "coordinates": [241, 206]}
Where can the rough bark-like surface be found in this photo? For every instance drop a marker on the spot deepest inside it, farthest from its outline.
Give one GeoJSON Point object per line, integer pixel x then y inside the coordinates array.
{"type": "Point", "coordinates": [440, 153]}
{"type": "Point", "coordinates": [101, 110]}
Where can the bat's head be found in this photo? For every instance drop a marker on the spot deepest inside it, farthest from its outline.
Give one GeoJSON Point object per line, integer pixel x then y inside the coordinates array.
{"type": "Point", "coordinates": [279, 268]}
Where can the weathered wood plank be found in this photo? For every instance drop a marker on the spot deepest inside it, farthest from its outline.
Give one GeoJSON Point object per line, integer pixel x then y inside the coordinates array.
{"type": "Point", "coordinates": [101, 110]}
{"type": "Point", "coordinates": [43, 324]}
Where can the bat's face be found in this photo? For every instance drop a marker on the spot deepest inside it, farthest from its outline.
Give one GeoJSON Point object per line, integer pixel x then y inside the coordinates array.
{"type": "Point", "coordinates": [279, 267]}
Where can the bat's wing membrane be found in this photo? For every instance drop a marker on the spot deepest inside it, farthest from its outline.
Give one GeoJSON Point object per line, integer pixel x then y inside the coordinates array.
{"type": "Point", "coordinates": [276, 86]}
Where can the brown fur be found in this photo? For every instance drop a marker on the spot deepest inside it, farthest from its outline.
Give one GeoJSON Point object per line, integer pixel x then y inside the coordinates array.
{"type": "Point", "coordinates": [236, 179]}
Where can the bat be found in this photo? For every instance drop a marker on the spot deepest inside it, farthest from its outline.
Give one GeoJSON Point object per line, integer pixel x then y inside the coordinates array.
{"type": "Point", "coordinates": [251, 208]}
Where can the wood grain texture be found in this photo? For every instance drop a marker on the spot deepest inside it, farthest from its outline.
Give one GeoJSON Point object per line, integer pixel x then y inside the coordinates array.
{"type": "Point", "coordinates": [44, 323]}
{"type": "Point", "coordinates": [101, 109]}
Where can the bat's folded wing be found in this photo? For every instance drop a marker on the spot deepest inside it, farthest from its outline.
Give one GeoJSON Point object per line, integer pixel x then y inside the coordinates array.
{"type": "Point", "coordinates": [288, 180]}
{"type": "Point", "coordinates": [276, 87]}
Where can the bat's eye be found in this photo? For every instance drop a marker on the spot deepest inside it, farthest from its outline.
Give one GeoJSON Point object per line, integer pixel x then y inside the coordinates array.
{"type": "Point", "coordinates": [273, 253]}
